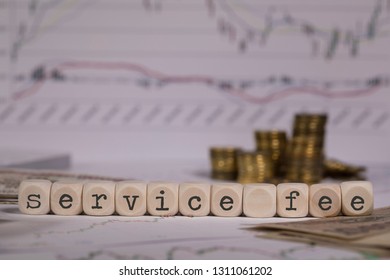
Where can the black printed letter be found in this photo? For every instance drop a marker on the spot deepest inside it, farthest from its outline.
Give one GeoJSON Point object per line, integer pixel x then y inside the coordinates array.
{"type": "Point", "coordinates": [98, 197]}
{"type": "Point", "coordinates": [162, 208]}
{"type": "Point", "coordinates": [64, 199]}
{"type": "Point", "coordinates": [357, 200]}
{"type": "Point", "coordinates": [226, 200]}
{"type": "Point", "coordinates": [131, 205]}
{"type": "Point", "coordinates": [197, 198]}
{"type": "Point", "coordinates": [33, 200]}
{"type": "Point", "coordinates": [291, 197]}
{"type": "Point", "coordinates": [325, 200]}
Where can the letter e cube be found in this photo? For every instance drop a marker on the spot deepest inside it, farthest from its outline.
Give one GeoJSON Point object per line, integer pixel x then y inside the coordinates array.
{"type": "Point", "coordinates": [357, 198]}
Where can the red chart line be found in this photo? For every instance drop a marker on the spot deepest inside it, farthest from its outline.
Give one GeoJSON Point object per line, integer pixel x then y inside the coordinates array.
{"type": "Point", "coordinates": [206, 80]}
{"type": "Point", "coordinates": [304, 90]}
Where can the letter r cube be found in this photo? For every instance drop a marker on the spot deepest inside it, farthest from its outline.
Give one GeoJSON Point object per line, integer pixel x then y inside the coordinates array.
{"type": "Point", "coordinates": [99, 198]}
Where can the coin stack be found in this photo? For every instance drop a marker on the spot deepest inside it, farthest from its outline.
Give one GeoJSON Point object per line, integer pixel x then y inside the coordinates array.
{"type": "Point", "coordinates": [224, 163]}
{"type": "Point", "coordinates": [305, 152]}
{"type": "Point", "coordinates": [274, 142]}
{"type": "Point", "coordinates": [337, 169]}
{"type": "Point", "coordinates": [255, 167]}
{"type": "Point", "coordinates": [279, 160]}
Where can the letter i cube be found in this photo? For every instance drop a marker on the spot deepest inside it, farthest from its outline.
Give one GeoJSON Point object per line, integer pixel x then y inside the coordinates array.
{"type": "Point", "coordinates": [163, 198]}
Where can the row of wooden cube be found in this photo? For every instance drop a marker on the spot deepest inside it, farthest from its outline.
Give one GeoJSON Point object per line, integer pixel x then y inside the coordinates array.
{"type": "Point", "coordinates": [136, 198]}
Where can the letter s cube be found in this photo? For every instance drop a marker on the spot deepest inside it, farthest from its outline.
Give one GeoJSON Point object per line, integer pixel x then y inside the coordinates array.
{"type": "Point", "coordinates": [34, 197]}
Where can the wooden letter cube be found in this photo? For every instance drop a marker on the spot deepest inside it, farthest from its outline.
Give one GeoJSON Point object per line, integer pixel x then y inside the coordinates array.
{"type": "Point", "coordinates": [226, 199]}
{"type": "Point", "coordinates": [292, 200]}
{"type": "Point", "coordinates": [99, 198]}
{"type": "Point", "coordinates": [130, 198]}
{"type": "Point", "coordinates": [34, 197]}
{"type": "Point", "coordinates": [194, 199]}
{"type": "Point", "coordinates": [163, 198]}
{"type": "Point", "coordinates": [259, 200]}
{"type": "Point", "coordinates": [66, 197]}
{"type": "Point", "coordinates": [325, 200]}
{"type": "Point", "coordinates": [357, 198]}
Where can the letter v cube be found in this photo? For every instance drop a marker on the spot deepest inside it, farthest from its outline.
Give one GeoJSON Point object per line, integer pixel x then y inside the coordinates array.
{"type": "Point", "coordinates": [130, 198]}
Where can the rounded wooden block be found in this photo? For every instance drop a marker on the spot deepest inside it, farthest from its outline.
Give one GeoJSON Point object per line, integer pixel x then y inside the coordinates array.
{"type": "Point", "coordinates": [34, 197]}
{"type": "Point", "coordinates": [163, 198]}
{"type": "Point", "coordinates": [292, 200]}
{"type": "Point", "coordinates": [194, 199]}
{"type": "Point", "coordinates": [226, 199]}
{"type": "Point", "coordinates": [325, 200]}
{"type": "Point", "coordinates": [130, 198]}
{"type": "Point", "coordinates": [99, 198]}
{"type": "Point", "coordinates": [66, 197]}
{"type": "Point", "coordinates": [259, 200]}
{"type": "Point", "coordinates": [357, 198]}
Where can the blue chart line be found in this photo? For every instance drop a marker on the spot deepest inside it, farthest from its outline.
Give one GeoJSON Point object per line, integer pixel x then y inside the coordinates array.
{"type": "Point", "coordinates": [29, 31]}
{"type": "Point", "coordinates": [274, 21]}
{"type": "Point", "coordinates": [233, 19]}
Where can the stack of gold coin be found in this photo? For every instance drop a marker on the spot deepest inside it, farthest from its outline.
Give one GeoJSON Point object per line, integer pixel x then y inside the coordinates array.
{"type": "Point", "coordinates": [224, 163]}
{"type": "Point", "coordinates": [277, 160]}
{"type": "Point", "coordinates": [305, 152]}
{"type": "Point", "coordinates": [274, 142]}
{"type": "Point", "coordinates": [337, 169]}
{"type": "Point", "coordinates": [255, 167]}
{"type": "Point", "coordinates": [309, 124]}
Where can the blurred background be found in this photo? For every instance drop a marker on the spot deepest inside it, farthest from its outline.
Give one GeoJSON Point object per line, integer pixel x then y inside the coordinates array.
{"type": "Point", "coordinates": [93, 84]}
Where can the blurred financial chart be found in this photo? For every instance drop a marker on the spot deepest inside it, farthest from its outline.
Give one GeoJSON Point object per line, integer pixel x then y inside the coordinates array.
{"type": "Point", "coordinates": [168, 79]}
